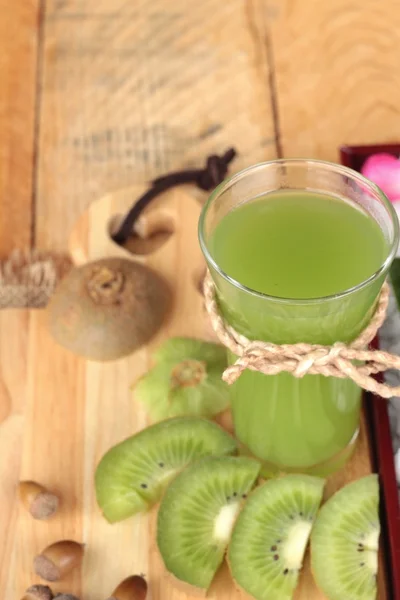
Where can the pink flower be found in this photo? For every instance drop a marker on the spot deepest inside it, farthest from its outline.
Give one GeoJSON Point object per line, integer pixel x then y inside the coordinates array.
{"type": "Point", "coordinates": [384, 170]}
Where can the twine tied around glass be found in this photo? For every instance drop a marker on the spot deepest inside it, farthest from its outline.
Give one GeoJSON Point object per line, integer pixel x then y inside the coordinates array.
{"type": "Point", "coordinates": [302, 359]}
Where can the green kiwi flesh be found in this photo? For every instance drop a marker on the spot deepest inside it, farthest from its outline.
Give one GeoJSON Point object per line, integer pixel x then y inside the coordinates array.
{"type": "Point", "coordinates": [344, 542]}
{"type": "Point", "coordinates": [197, 515]}
{"type": "Point", "coordinates": [186, 380]}
{"type": "Point", "coordinates": [271, 534]}
{"type": "Point", "coordinates": [132, 475]}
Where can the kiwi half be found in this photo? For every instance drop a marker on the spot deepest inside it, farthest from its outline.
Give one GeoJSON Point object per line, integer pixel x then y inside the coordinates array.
{"type": "Point", "coordinates": [197, 515]}
{"type": "Point", "coordinates": [271, 534]}
{"type": "Point", "coordinates": [344, 542]}
{"type": "Point", "coordinates": [132, 475]}
{"type": "Point", "coordinates": [186, 380]}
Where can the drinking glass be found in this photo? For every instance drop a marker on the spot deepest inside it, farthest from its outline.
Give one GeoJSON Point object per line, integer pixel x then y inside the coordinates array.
{"type": "Point", "coordinates": [307, 424]}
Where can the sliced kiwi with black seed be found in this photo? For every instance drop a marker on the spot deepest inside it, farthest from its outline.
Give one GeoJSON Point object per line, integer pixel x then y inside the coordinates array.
{"type": "Point", "coordinates": [271, 535]}
{"type": "Point", "coordinates": [345, 541]}
{"type": "Point", "coordinates": [197, 515]}
{"type": "Point", "coordinates": [132, 475]}
{"type": "Point", "coordinates": [186, 380]}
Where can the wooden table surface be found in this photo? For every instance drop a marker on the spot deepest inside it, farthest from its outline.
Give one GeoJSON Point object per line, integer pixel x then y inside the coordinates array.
{"type": "Point", "coordinates": [96, 95]}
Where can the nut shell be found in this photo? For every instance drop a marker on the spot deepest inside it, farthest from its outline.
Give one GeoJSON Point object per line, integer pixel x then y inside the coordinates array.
{"type": "Point", "coordinates": [131, 588]}
{"type": "Point", "coordinates": [58, 559]}
{"type": "Point", "coordinates": [38, 592]}
{"type": "Point", "coordinates": [108, 308]}
{"type": "Point", "coordinates": [40, 503]}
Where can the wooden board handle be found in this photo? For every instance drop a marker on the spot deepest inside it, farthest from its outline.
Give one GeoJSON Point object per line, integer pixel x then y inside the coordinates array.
{"type": "Point", "coordinates": [175, 255]}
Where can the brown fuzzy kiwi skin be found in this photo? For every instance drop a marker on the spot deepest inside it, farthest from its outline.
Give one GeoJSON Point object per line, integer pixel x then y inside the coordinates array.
{"type": "Point", "coordinates": [108, 308]}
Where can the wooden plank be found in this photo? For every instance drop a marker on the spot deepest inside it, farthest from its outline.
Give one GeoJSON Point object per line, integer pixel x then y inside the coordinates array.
{"type": "Point", "coordinates": [130, 90]}
{"type": "Point", "coordinates": [13, 391]}
{"type": "Point", "coordinates": [106, 381]}
{"type": "Point", "coordinates": [133, 89]}
{"type": "Point", "coordinates": [335, 80]}
{"type": "Point", "coordinates": [336, 73]}
{"type": "Point", "coordinates": [176, 261]}
{"type": "Point", "coordinates": [118, 106]}
{"type": "Point", "coordinates": [18, 61]}
{"type": "Point", "coordinates": [52, 450]}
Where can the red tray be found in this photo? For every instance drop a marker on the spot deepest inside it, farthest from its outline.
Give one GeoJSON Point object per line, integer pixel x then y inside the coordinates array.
{"type": "Point", "coordinates": [381, 446]}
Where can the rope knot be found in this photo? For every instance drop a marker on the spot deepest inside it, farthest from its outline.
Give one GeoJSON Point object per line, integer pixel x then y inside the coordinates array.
{"type": "Point", "coordinates": [315, 359]}
{"type": "Point", "coordinates": [340, 360]}
{"type": "Point", "coordinates": [215, 170]}
{"type": "Point", "coordinates": [304, 366]}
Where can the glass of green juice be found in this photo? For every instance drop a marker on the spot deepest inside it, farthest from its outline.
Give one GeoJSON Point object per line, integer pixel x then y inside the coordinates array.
{"type": "Point", "coordinates": [298, 251]}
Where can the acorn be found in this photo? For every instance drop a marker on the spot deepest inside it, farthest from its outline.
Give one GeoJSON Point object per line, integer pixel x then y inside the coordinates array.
{"type": "Point", "coordinates": [38, 592]}
{"type": "Point", "coordinates": [41, 503]}
{"type": "Point", "coordinates": [131, 588]}
{"type": "Point", "coordinates": [58, 559]}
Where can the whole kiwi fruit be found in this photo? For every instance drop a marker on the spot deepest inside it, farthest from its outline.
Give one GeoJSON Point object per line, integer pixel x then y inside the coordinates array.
{"type": "Point", "coordinates": [107, 308]}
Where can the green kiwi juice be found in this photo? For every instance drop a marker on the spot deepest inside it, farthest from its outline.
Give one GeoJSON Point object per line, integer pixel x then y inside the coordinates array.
{"type": "Point", "coordinates": [287, 268]}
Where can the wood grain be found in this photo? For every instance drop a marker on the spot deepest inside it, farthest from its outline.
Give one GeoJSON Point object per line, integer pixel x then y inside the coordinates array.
{"type": "Point", "coordinates": [336, 73]}
{"type": "Point", "coordinates": [119, 106]}
{"type": "Point", "coordinates": [18, 63]}
{"type": "Point", "coordinates": [13, 391]}
{"type": "Point", "coordinates": [128, 91]}
{"type": "Point", "coordinates": [107, 422]}
{"type": "Point", "coordinates": [52, 450]}
{"type": "Point", "coordinates": [133, 89]}
{"type": "Point", "coordinates": [358, 466]}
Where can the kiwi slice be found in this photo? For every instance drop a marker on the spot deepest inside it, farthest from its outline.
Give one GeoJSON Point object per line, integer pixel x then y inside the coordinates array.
{"type": "Point", "coordinates": [344, 542]}
{"type": "Point", "coordinates": [271, 534]}
{"type": "Point", "coordinates": [186, 380]}
{"type": "Point", "coordinates": [197, 515]}
{"type": "Point", "coordinates": [131, 476]}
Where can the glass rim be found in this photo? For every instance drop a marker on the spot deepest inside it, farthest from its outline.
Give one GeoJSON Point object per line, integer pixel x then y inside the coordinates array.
{"type": "Point", "coordinates": [340, 169]}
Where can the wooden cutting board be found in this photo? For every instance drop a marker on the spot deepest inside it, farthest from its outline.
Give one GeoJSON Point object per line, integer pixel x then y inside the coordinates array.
{"type": "Point", "coordinates": [78, 409]}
